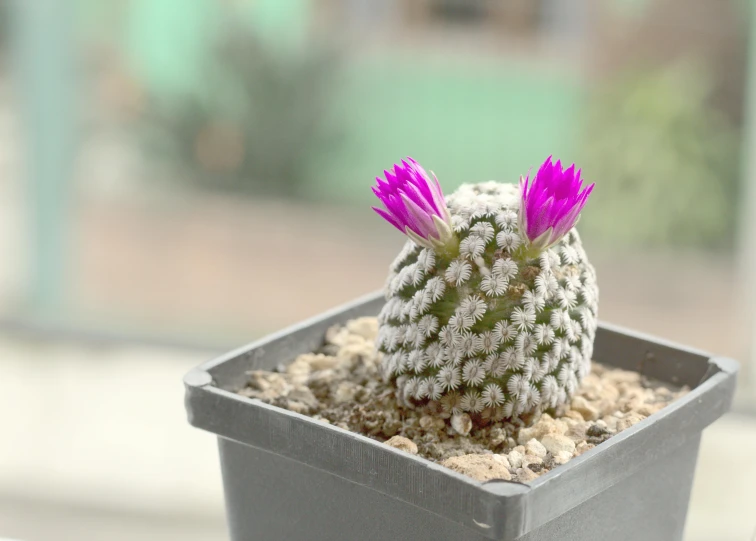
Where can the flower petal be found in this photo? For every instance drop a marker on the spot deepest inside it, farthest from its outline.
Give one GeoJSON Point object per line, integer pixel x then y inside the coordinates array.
{"type": "Point", "coordinates": [551, 202]}
{"type": "Point", "coordinates": [414, 203]}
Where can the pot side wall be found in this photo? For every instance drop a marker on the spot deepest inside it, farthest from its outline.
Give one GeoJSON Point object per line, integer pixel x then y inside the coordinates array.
{"type": "Point", "coordinates": [272, 497]}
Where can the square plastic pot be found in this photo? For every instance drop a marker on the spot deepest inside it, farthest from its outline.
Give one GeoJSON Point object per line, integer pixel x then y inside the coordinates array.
{"type": "Point", "coordinates": [288, 477]}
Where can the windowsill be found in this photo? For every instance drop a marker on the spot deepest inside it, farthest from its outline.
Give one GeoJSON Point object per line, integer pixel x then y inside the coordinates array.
{"type": "Point", "coordinates": [104, 427]}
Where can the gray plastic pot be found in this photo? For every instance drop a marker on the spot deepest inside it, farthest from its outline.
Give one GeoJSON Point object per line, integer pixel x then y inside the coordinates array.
{"type": "Point", "coordinates": [288, 477]}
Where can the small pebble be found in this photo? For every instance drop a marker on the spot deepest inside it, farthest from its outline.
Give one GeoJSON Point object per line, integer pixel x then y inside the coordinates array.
{"type": "Point", "coordinates": [574, 415]}
{"type": "Point", "coordinates": [536, 466]}
{"type": "Point", "coordinates": [351, 354]}
{"type": "Point", "coordinates": [269, 384]}
{"type": "Point", "coordinates": [629, 420]}
{"type": "Point", "coordinates": [611, 422]}
{"type": "Point", "coordinates": [597, 434]}
{"type": "Point", "coordinates": [461, 423]}
{"type": "Point", "coordinates": [428, 422]}
{"type": "Point", "coordinates": [555, 443]}
{"type": "Point", "coordinates": [403, 444]}
{"type": "Point", "coordinates": [515, 459]}
{"type": "Point", "coordinates": [479, 467]}
{"type": "Point", "coordinates": [608, 391]}
{"type": "Point", "coordinates": [503, 460]}
{"type": "Point", "coordinates": [596, 431]}
{"type": "Point", "coordinates": [298, 371]}
{"type": "Point", "coordinates": [623, 376]}
{"type": "Point", "coordinates": [367, 327]}
{"type": "Point", "coordinates": [303, 395]}
{"type": "Point", "coordinates": [321, 362]}
{"type": "Point", "coordinates": [648, 410]}
{"type": "Point", "coordinates": [498, 437]}
{"type": "Point", "coordinates": [526, 474]}
{"type": "Point", "coordinates": [545, 425]}
{"type": "Point", "coordinates": [577, 432]}
{"type": "Point", "coordinates": [336, 335]}
{"type": "Point", "coordinates": [529, 460]}
{"type": "Point", "coordinates": [582, 447]}
{"type": "Point", "coordinates": [345, 392]}
{"type": "Point", "coordinates": [562, 457]}
{"type": "Point", "coordinates": [581, 405]}
{"type": "Point", "coordinates": [536, 448]}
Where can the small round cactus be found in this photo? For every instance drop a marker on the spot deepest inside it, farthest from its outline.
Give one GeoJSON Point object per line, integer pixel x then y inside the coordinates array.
{"type": "Point", "coordinates": [491, 305]}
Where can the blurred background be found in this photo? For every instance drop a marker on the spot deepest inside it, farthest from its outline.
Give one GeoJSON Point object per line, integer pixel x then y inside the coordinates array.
{"type": "Point", "coordinates": [178, 178]}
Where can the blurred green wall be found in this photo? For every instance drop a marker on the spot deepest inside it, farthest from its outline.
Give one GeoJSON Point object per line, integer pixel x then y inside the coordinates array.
{"type": "Point", "coordinates": [467, 121]}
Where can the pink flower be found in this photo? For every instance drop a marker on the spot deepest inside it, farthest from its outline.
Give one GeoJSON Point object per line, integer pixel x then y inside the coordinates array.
{"type": "Point", "coordinates": [414, 204]}
{"type": "Point", "coordinates": [551, 203]}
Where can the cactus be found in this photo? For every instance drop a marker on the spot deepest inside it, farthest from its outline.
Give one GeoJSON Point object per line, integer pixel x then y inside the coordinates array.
{"type": "Point", "coordinates": [491, 305]}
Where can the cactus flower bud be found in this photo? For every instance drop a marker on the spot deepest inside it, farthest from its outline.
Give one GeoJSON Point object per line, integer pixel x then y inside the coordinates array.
{"type": "Point", "coordinates": [551, 204]}
{"type": "Point", "coordinates": [415, 205]}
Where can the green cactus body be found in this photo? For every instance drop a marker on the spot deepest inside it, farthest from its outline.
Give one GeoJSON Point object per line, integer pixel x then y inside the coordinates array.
{"type": "Point", "coordinates": [488, 329]}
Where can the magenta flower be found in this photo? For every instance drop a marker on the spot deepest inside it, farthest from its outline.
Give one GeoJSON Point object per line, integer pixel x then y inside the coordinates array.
{"type": "Point", "coordinates": [551, 203]}
{"type": "Point", "coordinates": [415, 205]}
